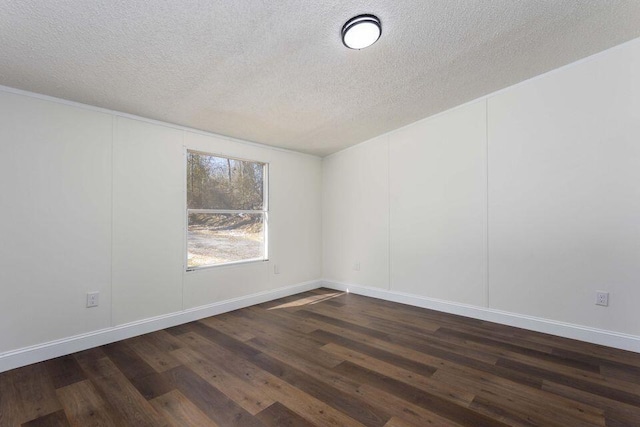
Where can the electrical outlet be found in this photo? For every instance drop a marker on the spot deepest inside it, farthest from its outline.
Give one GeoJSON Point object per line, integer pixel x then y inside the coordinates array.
{"type": "Point", "coordinates": [93, 299]}
{"type": "Point", "coordinates": [602, 298]}
{"type": "Point", "coordinates": [276, 269]}
{"type": "Point", "coordinates": [356, 266]}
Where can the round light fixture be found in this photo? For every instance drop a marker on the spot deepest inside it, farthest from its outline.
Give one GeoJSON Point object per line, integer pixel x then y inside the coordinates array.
{"type": "Point", "coordinates": [361, 31]}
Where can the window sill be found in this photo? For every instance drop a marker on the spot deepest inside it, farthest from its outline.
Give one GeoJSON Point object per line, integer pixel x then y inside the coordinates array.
{"type": "Point", "coordinates": [225, 265]}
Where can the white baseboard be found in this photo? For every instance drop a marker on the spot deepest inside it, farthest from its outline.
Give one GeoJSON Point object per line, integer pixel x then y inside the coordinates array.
{"type": "Point", "coordinates": [562, 329]}
{"type": "Point", "coordinates": [38, 353]}
{"type": "Point", "coordinates": [28, 355]}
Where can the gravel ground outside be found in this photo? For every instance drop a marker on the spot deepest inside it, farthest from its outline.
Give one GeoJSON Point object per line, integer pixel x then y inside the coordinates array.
{"type": "Point", "coordinates": [207, 247]}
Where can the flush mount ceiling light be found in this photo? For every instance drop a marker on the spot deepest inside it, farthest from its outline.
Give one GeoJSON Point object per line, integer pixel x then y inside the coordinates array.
{"type": "Point", "coordinates": [361, 31]}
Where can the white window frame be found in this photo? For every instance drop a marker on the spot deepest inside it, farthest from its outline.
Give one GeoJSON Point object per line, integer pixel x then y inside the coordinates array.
{"type": "Point", "coordinates": [264, 211]}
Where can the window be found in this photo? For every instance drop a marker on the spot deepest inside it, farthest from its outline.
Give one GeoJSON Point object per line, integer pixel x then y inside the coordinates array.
{"type": "Point", "coordinates": [226, 210]}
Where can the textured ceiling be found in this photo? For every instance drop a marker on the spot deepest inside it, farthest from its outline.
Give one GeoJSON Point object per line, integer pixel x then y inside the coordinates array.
{"type": "Point", "coordinates": [276, 72]}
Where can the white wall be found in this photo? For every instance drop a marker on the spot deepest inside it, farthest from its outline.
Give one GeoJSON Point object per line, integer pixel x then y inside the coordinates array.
{"type": "Point", "coordinates": [545, 174]}
{"type": "Point", "coordinates": [356, 221]}
{"type": "Point", "coordinates": [564, 194]}
{"type": "Point", "coordinates": [55, 220]}
{"type": "Point", "coordinates": [92, 200]}
{"type": "Point", "coordinates": [148, 220]}
{"type": "Point", "coordinates": [438, 206]}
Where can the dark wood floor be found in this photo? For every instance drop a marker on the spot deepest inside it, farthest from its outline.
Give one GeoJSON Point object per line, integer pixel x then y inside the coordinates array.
{"type": "Point", "coordinates": [326, 358]}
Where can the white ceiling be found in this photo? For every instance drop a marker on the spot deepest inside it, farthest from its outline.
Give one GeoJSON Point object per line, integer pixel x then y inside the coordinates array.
{"type": "Point", "coordinates": [276, 72]}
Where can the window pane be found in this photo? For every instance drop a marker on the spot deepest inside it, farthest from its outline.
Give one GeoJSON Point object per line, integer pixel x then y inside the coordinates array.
{"type": "Point", "coordinates": [222, 238]}
{"type": "Point", "coordinates": [221, 183]}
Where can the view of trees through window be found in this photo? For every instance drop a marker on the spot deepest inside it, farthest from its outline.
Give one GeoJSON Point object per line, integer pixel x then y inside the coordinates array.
{"type": "Point", "coordinates": [226, 207]}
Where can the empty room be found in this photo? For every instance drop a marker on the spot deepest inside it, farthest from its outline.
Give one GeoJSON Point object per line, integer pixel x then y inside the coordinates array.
{"type": "Point", "coordinates": [339, 213]}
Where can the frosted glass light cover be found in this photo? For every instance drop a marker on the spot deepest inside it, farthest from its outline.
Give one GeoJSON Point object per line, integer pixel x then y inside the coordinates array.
{"type": "Point", "coordinates": [361, 31]}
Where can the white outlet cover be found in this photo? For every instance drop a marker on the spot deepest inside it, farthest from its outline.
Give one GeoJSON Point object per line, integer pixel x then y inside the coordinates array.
{"type": "Point", "coordinates": [602, 298]}
{"type": "Point", "coordinates": [93, 299]}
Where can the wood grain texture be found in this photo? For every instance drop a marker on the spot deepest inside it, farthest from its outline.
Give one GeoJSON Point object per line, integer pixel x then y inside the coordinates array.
{"type": "Point", "coordinates": [83, 405]}
{"type": "Point", "coordinates": [180, 411]}
{"type": "Point", "coordinates": [278, 415]}
{"type": "Point", "coordinates": [123, 397]}
{"type": "Point", "coordinates": [325, 358]}
{"type": "Point", "coordinates": [54, 419]}
{"type": "Point", "coordinates": [26, 394]}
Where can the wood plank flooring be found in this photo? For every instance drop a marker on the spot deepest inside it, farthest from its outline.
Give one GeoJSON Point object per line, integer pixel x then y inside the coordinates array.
{"type": "Point", "coordinates": [325, 358]}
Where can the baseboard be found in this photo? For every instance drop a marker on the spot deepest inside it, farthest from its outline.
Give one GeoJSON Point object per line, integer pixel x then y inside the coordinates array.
{"type": "Point", "coordinates": [28, 355]}
{"type": "Point", "coordinates": [562, 329]}
{"type": "Point", "coordinates": [38, 353]}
